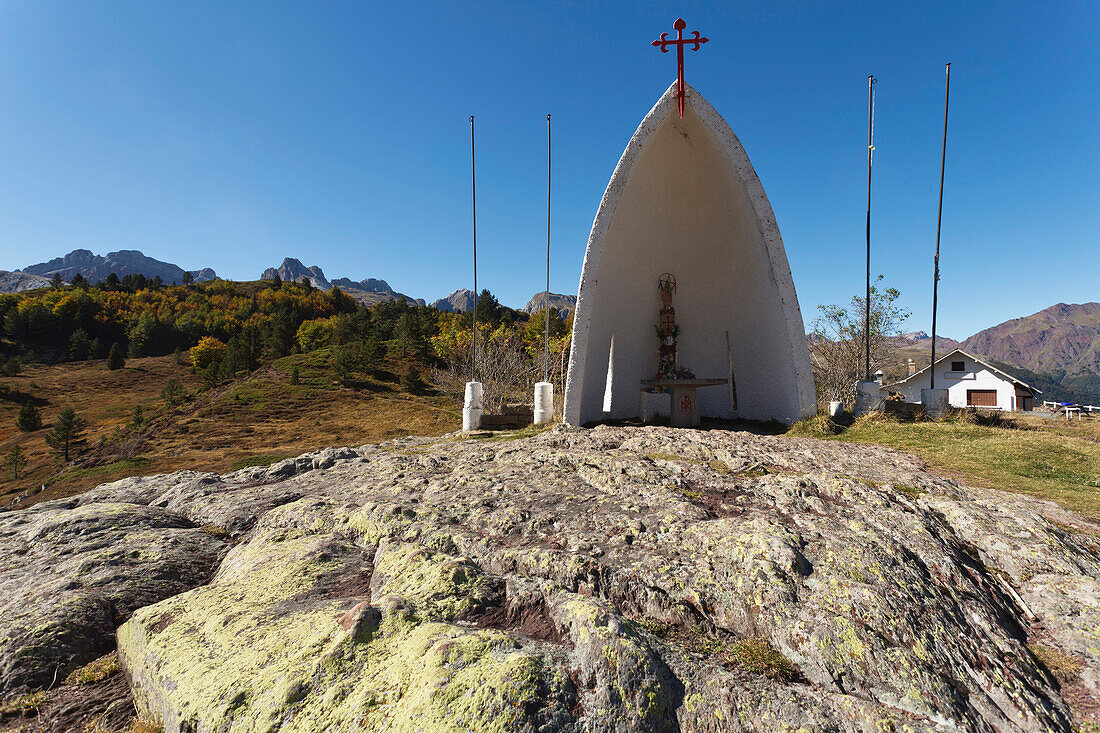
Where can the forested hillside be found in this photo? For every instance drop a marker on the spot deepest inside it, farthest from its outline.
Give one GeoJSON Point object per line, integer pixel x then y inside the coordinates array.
{"type": "Point", "coordinates": [130, 376]}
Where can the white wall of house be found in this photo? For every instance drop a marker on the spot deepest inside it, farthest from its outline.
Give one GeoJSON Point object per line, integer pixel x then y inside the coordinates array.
{"type": "Point", "coordinates": [973, 376]}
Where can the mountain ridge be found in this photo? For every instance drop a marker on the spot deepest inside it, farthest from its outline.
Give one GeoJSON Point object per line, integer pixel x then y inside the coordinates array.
{"type": "Point", "coordinates": [95, 268]}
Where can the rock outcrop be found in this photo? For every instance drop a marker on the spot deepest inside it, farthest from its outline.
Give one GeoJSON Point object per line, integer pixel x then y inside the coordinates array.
{"type": "Point", "coordinates": [609, 579]}
{"type": "Point", "coordinates": [16, 281]}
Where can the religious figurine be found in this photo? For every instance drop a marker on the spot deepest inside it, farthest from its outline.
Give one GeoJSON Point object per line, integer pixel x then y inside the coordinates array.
{"type": "Point", "coordinates": [667, 331]}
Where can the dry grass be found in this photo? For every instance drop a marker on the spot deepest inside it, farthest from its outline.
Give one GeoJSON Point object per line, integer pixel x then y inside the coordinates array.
{"type": "Point", "coordinates": [755, 654]}
{"type": "Point", "coordinates": [95, 671]}
{"type": "Point", "coordinates": [252, 421]}
{"type": "Point", "coordinates": [1047, 459]}
{"type": "Point", "coordinates": [23, 704]}
{"type": "Point", "coordinates": [1065, 668]}
{"type": "Point", "coordinates": [818, 426]}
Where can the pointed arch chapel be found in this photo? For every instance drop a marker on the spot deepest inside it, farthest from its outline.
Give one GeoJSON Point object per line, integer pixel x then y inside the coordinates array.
{"type": "Point", "coordinates": [684, 199]}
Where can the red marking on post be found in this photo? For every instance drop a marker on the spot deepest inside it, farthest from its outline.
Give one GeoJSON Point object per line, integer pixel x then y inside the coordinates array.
{"type": "Point", "coordinates": [686, 404]}
{"type": "Point", "coordinates": [663, 43]}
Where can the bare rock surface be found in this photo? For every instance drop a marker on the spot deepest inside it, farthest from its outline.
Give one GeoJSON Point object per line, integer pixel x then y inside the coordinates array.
{"type": "Point", "coordinates": [611, 579]}
{"type": "Point", "coordinates": [69, 575]}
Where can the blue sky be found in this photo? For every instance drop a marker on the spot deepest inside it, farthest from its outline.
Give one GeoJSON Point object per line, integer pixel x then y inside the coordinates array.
{"type": "Point", "coordinates": [232, 135]}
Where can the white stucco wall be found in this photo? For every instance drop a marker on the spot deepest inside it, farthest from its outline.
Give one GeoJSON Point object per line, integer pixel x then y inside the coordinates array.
{"type": "Point", "coordinates": [973, 376]}
{"type": "Point", "coordinates": [685, 199]}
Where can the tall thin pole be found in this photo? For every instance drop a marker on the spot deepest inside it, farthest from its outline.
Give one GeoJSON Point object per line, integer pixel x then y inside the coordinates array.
{"type": "Point", "coordinates": [870, 149]}
{"type": "Point", "coordinates": [473, 191]}
{"type": "Point", "coordinates": [939, 220]}
{"type": "Point", "coordinates": [546, 346]}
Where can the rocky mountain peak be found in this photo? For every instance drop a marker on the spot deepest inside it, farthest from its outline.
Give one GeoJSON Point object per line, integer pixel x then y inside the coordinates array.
{"type": "Point", "coordinates": [292, 270]}
{"type": "Point", "coordinates": [460, 301]}
{"type": "Point", "coordinates": [565, 304]}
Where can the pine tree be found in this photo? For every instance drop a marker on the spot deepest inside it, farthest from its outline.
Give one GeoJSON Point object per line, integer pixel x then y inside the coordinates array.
{"type": "Point", "coordinates": [346, 362]}
{"type": "Point", "coordinates": [188, 278]}
{"type": "Point", "coordinates": [67, 435]}
{"type": "Point", "coordinates": [276, 282]}
{"type": "Point", "coordinates": [30, 418]}
{"type": "Point", "coordinates": [15, 460]}
{"type": "Point", "coordinates": [56, 282]}
{"type": "Point", "coordinates": [80, 345]}
{"type": "Point", "coordinates": [117, 358]}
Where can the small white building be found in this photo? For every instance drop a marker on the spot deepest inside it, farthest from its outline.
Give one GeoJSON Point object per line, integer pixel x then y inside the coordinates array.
{"type": "Point", "coordinates": [969, 382]}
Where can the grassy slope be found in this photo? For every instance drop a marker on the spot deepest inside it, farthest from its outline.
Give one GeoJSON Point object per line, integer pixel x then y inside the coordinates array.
{"type": "Point", "coordinates": [1049, 459]}
{"type": "Point", "coordinates": [252, 421]}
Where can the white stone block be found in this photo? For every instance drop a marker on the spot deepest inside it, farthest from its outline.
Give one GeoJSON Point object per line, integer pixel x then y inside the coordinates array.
{"type": "Point", "coordinates": [544, 403]}
{"type": "Point", "coordinates": [836, 407]}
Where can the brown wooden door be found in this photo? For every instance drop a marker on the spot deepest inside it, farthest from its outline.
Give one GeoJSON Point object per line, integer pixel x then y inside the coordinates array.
{"type": "Point", "coordinates": [981, 397]}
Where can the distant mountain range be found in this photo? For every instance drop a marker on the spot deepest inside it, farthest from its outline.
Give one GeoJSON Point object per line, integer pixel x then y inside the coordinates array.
{"type": "Point", "coordinates": [1056, 350]}
{"type": "Point", "coordinates": [124, 262]}
{"type": "Point", "coordinates": [368, 291]}
{"type": "Point", "coordinates": [921, 340]}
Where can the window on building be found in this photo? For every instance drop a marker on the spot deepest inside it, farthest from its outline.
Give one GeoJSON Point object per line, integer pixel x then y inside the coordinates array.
{"type": "Point", "coordinates": [958, 366]}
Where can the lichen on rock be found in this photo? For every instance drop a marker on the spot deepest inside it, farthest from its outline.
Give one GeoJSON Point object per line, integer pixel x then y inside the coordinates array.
{"type": "Point", "coordinates": [609, 579]}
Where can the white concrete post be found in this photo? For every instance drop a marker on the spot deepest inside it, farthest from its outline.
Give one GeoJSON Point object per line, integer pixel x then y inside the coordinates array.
{"type": "Point", "coordinates": [935, 402]}
{"type": "Point", "coordinates": [544, 403]}
{"type": "Point", "coordinates": [472, 409]}
{"type": "Point", "coordinates": [868, 396]}
{"type": "Point", "coordinates": [835, 408]}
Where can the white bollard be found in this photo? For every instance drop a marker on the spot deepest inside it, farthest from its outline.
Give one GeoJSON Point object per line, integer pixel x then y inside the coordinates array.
{"type": "Point", "coordinates": [544, 403]}
{"type": "Point", "coordinates": [472, 409]}
{"type": "Point", "coordinates": [836, 407]}
{"type": "Point", "coordinates": [935, 402]}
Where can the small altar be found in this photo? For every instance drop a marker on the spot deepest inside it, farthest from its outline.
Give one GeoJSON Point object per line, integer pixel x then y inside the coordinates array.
{"type": "Point", "coordinates": [684, 402]}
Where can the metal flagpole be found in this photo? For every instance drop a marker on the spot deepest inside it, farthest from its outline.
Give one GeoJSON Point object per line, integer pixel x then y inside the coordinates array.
{"type": "Point", "coordinates": [473, 191]}
{"type": "Point", "coordinates": [546, 346]}
{"type": "Point", "coordinates": [939, 220]}
{"type": "Point", "coordinates": [870, 148]}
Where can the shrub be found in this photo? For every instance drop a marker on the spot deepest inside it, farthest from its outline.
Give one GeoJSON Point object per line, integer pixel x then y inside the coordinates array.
{"type": "Point", "coordinates": [173, 393]}
{"type": "Point", "coordinates": [12, 367]}
{"type": "Point", "coordinates": [117, 358]}
{"type": "Point", "coordinates": [295, 377]}
{"type": "Point", "coordinates": [315, 334]}
{"type": "Point", "coordinates": [30, 418]}
{"type": "Point", "coordinates": [411, 381]}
